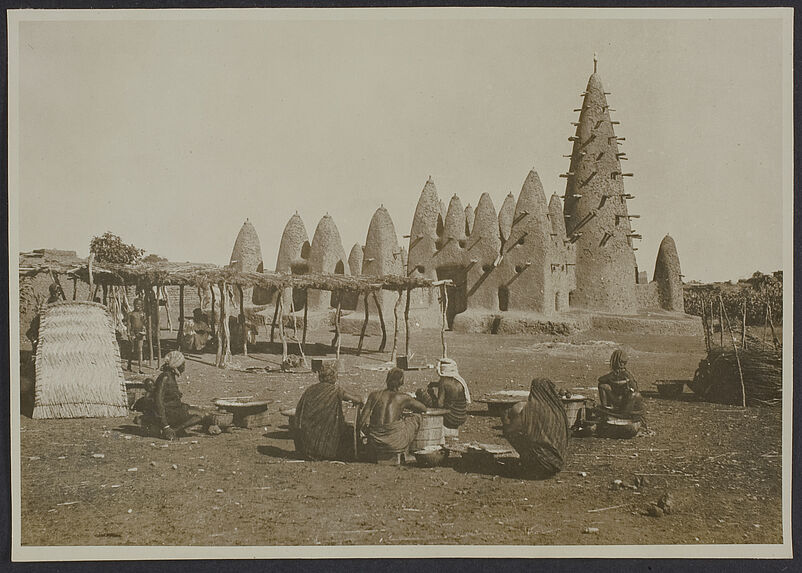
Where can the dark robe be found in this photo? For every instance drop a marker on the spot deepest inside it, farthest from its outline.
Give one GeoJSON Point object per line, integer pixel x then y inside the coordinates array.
{"type": "Point", "coordinates": [319, 422]}
{"type": "Point", "coordinates": [167, 405]}
{"type": "Point", "coordinates": [542, 439]}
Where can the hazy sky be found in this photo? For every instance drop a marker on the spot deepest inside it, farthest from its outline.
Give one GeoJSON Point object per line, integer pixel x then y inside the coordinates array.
{"type": "Point", "coordinates": [171, 133]}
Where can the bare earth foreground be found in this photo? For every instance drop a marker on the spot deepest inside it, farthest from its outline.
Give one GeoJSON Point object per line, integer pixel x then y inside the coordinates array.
{"type": "Point", "coordinates": [721, 464]}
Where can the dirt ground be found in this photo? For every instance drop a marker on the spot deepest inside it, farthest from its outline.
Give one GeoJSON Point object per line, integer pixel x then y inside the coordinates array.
{"type": "Point", "coordinates": [721, 464]}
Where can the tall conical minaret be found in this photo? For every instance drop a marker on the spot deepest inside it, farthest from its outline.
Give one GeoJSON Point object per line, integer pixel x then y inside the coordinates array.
{"type": "Point", "coordinates": [595, 210]}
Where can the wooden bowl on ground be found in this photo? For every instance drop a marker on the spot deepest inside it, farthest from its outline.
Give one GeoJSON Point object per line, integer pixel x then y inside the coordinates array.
{"type": "Point", "coordinates": [431, 456]}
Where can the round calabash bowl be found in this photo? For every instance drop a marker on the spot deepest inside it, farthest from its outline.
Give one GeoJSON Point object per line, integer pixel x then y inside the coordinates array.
{"type": "Point", "coordinates": [431, 456]}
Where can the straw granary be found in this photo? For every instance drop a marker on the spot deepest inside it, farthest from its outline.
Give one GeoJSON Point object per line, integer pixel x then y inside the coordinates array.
{"type": "Point", "coordinates": [78, 372]}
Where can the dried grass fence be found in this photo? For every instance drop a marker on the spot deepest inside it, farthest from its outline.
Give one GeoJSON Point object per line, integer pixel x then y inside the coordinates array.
{"type": "Point", "coordinates": [745, 372]}
{"type": "Point", "coordinates": [78, 371]}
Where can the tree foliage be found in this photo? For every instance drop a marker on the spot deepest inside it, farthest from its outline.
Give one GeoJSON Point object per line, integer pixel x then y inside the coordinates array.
{"type": "Point", "coordinates": [154, 258]}
{"type": "Point", "coordinates": [109, 248]}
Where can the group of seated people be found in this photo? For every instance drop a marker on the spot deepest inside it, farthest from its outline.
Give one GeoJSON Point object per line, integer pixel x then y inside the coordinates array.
{"type": "Point", "coordinates": [389, 419]}
{"type": "Point", "coordinates": [319, 427]}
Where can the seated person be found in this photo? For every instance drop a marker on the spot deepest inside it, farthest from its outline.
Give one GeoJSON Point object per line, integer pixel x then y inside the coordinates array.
{"type": "Point", "coordinates": [388, 433]}
{"type": "Point", "coordinates": [449, 392]}
{"type": "Point", "coordinates": [320, 431]}
{"type": "Point", "coordinates": [200, 333]}
{"type": "Point", "coordinates": [538, 430]}
{"type": "Point", "coordinates": [618, 390]}
{"type": "Point", "coordinates": [163, 410]}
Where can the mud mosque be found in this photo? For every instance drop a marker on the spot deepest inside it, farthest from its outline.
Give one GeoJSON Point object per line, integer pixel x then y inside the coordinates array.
{"type": "Point", "coordinates": [534, 261]}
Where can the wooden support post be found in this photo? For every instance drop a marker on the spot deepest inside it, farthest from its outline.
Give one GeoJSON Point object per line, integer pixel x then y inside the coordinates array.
{"type": "Point", "coordinates": [774, 338]}
{"type": "Point", "coordinates": [54, 276]}
{"type": "Point", "coordinates": [163, 291]}
{"type": "Point", "coordinates": [224, 334]}
{"type": "Point", "coordinates": [91, 275]}
{"type": "Point", "coordinates": [364, 326]}
{"type": "Point", "coordinates": [306, 314]}
{"type": "Point", "coordinates": [705, 326]}
{"type": "Point", "coordinates": [337, 317]}
{"type": "Point", "coordinates": [443, 322]}
{"type": "Point", "coordinates": [766, 322]}
{"type": "Point", "coordinates": [383, 343]}
{"type": "Point", "coordinates": [242, 320]}
{"type": "Point", "coordinates": [721, 320]}
{"type": "Point", "coordinates": [743, 328]}
{"type": "Point", "coordinates": [74, 288]}
{"type": "Point", "coordinates": [406, 325]}
{"type": "Point", "coordinates": [180, 315]}
{"type": "Point", "coordinates": [211, 318]}
{"type": "Point", "coordinates": [295, 331]}
{"type": "Point", "coordinates": [394, 352]}
{"type": "Point", "coordinates": [281, 330]}
{"type": "Point", "coordinates": [149, 333]}
{"type": "Point", "coordinates": [105, 295]}
{"type": "Point", "coordinates": [735, 348]}
{"type": "Point", "coordinates": [712, 329]}
{"type": "Point", "coordinates": [157, 330]}
{"type": "Point", "coordinates": [279, 296]}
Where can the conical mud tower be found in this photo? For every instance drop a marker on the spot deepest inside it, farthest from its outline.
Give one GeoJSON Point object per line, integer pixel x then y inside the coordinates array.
{"type": "Point", "coordinates": [382, 255]}
{"type": "Point", "coordinates": [595, 211]}
{"type": "Point", "coordinates": [246, 256]}
{"type": "Point", "coordinates": [668, 276]}
{"type": "Point", "coordinates": [326, 255]}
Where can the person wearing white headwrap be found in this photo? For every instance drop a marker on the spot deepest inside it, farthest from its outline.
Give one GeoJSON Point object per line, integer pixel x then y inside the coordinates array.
{"type": "Point", "coordinates": [450, 392]}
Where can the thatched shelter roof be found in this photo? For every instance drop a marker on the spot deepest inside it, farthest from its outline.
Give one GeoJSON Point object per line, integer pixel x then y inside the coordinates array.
{"type": "Point", "coordinates": [191, 274]}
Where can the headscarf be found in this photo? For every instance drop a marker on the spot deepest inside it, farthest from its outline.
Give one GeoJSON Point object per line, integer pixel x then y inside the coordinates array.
{"type": "Point", "coordinates": [618, 360]}
{"type": "Point", "coordinates": [395, 378]}
{"type": "Point", "coordinates": [328, 373]}
{"type": "Point", "coordinates": [447, 368]}
{"type": "Point", "coordinates": [173, 361]}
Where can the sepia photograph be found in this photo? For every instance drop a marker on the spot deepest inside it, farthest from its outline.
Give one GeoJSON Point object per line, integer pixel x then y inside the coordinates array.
{"type": "Point", "coordinates": [437, 282]}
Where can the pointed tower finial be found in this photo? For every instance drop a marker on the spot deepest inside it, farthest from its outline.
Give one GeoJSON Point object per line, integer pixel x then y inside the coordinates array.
{"type": "Point", "coordinates": [595, 61]}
